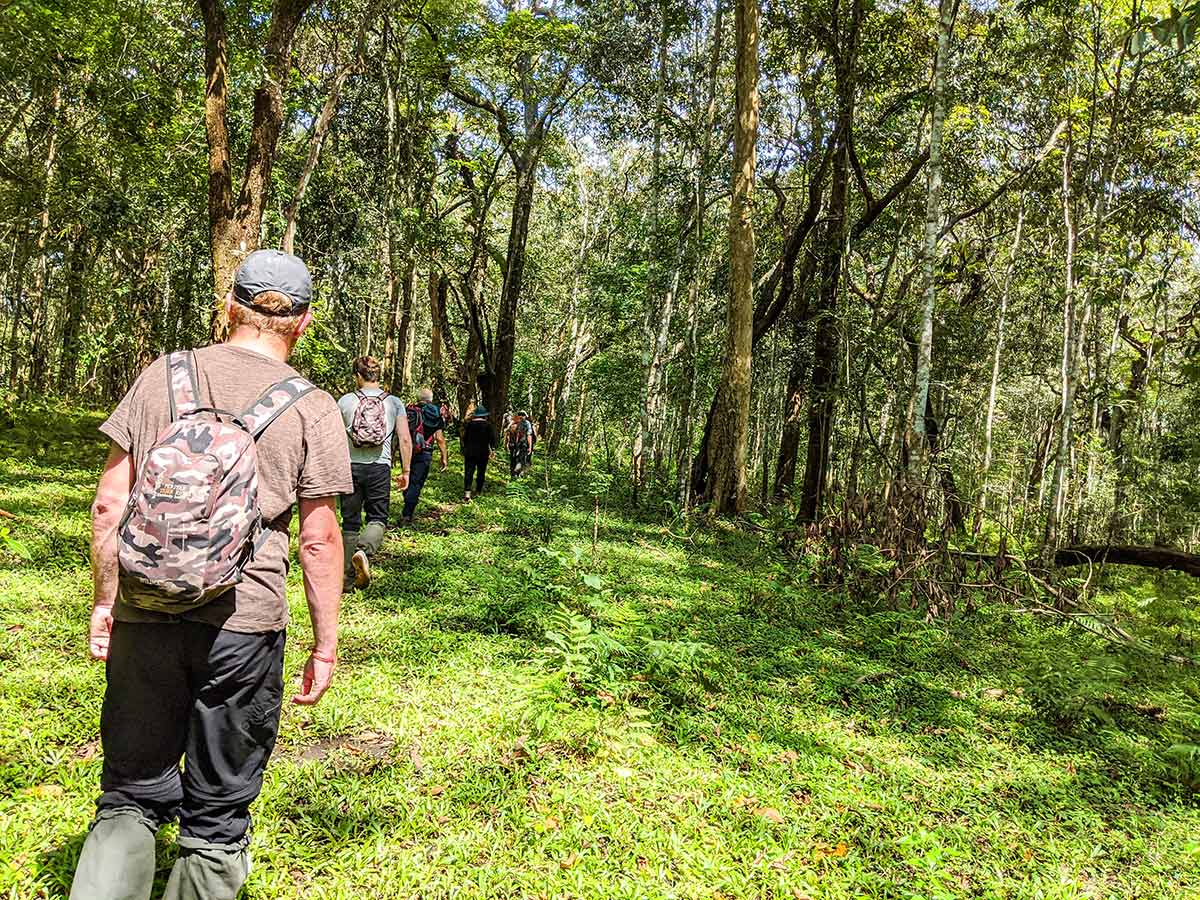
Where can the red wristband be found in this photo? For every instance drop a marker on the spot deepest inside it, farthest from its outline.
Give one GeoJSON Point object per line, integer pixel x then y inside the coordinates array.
{"type": "Point", "coordinates": [325, 659]}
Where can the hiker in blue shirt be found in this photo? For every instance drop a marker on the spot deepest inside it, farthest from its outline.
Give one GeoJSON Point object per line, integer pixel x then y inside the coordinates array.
{"type": "Point", "coordinates": [426, 427]}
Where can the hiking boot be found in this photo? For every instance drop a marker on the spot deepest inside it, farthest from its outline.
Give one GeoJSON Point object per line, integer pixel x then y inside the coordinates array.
{"type": "Point", "coordinates": [406, 520]}
{"type": "Point", "coordinates": [362, 569]}
{"type": "Point", "coordinates": [467, 497]}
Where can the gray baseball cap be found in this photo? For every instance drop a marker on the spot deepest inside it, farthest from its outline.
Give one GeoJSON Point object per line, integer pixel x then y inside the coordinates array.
{"type": "Point", "coordinates": [273, 270]}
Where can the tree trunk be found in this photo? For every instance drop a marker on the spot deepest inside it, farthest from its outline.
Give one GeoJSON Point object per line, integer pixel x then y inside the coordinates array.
{"type": "Point", "coordinates": [727, 447]}
{"type": "Point", "coordinates": [997, 354]}
{"type": "Point", "coordinates": [438, 289]}
{"type": "Point", "coordinates": [402, 368]}
{"type": "Point", "coordinates": [793, 397]}
{"type": "Point", "coordinates": [39, 317]}
{"type": "Point", "coordinates": [510, 294]}
{"type": "Point", "coordinates": [76, 308]}
{"type": "Point", "coordinates": [823, 387]}
{"type": "Point", "coordinates": [1070, 356]}
{"type": "Point", "coordinates": [234, 225]}
{"type": "Point", "coordinates": [933, 224]}
{"type": "Point", "coordinates": [650, 422]}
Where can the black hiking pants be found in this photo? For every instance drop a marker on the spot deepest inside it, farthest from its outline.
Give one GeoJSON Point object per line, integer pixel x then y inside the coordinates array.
{"type": "Point", "coordinates": [474, 468]}
{"type": "Point", "coordinates": [191, 690]}
{"type": "Point", "coordinates": [372, 496]}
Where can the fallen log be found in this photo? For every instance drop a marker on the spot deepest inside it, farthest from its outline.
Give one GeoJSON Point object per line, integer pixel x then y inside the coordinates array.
{"type": "Point", "coordinates": [1147, 557]}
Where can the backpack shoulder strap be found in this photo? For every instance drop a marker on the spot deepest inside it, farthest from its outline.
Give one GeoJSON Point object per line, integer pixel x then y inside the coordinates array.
{"type": "Point", "coordinates": [182, 386]}
{"type": "Point", "coordinates": [274, 402]}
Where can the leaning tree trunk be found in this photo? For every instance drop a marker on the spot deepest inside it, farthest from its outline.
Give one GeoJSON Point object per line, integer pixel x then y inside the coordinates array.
{"type": "Point", "coordinates": [510, 295]}
{"type": "Point", "coordinates": [727, 445]}
{"type": "Point", "coordinates": [321, 131]}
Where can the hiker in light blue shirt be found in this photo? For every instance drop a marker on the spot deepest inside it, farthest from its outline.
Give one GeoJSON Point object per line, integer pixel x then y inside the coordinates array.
{"type": "Point", "coordinates": [374, 420]}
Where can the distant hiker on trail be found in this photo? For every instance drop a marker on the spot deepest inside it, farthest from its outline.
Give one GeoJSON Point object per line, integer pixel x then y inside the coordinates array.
{"type": "Point", "coordinates": [426, 427]}
{"type": "Point", "coordinates": [210, 450]}
{"type": "Point", "coordinates": [373, 417]}
{"type": "Point", "coordinates": [448, 417]}
{"type": "Point", "coordinates": [521, 437]}
{"type": "Point", "coordinates": [477, 442]}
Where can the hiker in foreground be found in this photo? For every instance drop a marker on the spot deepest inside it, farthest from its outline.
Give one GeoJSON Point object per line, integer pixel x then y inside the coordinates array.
{"type": "Point", "coordinates": [521, 437]}
{"type": "Point", "coordinates": [210, 450]}
{"type": "Point", "coordinates": [373, 417]}
{"type": "Point", "coordinates": [477, 442]}
{"type": "Point", "coordinates": [425, 428]}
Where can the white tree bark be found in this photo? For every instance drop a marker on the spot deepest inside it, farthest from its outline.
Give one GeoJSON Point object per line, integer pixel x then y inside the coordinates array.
{"type": "Point", "coordinates": [1070, 359]}
{"type": "Point", "coordinates": [998, 353]}
{"type": "Point", "coordinates": [933, 224]}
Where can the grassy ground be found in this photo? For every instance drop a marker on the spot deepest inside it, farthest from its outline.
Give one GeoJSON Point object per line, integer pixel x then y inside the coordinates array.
{"type": "Point", "coordinates": [677, 715]}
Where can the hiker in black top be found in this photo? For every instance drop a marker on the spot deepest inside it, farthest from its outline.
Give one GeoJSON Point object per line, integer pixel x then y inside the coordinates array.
{"type": "Point", "coordinates": [477, 441]}
{"type": "Point", "coordinates": [426, 427]}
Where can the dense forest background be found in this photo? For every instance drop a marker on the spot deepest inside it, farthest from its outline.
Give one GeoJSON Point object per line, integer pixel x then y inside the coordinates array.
{"type": "Point", "coordinates": [814, 259]}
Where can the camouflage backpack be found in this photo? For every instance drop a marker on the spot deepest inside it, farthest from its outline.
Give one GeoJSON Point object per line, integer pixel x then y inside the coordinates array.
{"type": "Point", "coordinates": [369, 428]}
{"type": "Point", "coordinates": [193, 521]}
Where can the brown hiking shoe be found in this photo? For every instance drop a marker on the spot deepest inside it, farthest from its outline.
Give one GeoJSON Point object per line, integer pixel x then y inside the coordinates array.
{"type": "Point", "coordinates": [362, 569]}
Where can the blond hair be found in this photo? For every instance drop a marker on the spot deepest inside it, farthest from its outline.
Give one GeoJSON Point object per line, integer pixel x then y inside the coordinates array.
{"type": "Point", "coordinates": [283, 326]}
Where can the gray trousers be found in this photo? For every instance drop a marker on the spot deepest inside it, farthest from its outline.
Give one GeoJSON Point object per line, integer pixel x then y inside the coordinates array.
{"type": "Point", "coordinates": [117, 863]}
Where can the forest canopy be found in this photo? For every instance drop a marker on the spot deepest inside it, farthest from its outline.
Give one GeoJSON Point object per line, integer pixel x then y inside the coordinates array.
{"type": "Point", "coordinates": [791, 254]}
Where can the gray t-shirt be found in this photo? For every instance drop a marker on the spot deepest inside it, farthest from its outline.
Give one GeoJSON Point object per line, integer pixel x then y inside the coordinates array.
{"type": "Point", "coordinates": [395, 411]}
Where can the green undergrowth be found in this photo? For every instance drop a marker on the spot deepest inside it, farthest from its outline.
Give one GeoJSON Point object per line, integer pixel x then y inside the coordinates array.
{"type": "Point", "coordinates": [670, 712]}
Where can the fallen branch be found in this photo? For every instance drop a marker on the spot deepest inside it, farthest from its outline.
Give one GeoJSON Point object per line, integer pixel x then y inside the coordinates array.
{"type": "Point", "coordinates": [1147, 557]}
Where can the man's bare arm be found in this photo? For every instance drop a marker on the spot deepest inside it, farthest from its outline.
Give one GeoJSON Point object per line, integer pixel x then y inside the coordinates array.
{"type": "Point", "coordinates": [405, 443]}
{"type": "Point", "coordinates": [112, 496]}
{"type": "Point", "coordinates": [321, 559]}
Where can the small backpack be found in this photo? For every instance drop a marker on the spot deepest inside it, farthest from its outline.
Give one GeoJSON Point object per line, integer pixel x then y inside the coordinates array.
{"type": "Point", "coordinates": [193, 521]}
{"type": "Point", "coordinates": [521, 435]}
{"type": "Point", "coordinates": [422, 433]}
{"type": "Point", "coordinates": [369, 425]}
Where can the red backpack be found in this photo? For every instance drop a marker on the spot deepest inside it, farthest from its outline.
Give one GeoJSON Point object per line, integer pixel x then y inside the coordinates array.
{"type": "Point", "coordinates": [422, 432]}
